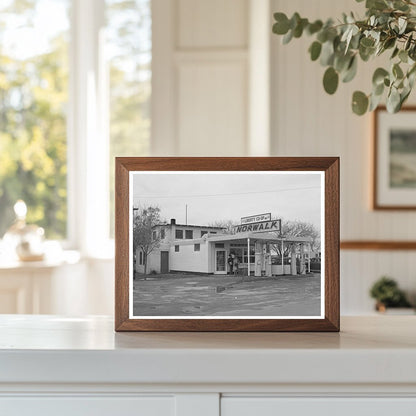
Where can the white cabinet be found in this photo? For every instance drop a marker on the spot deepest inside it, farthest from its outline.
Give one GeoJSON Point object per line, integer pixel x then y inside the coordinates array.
{"type": "Point", "coordinates": [87, 406]}
{"type": "Point", "coordinates": [269, 406]}
{"type": "Point", "coordinates": [52, 365]}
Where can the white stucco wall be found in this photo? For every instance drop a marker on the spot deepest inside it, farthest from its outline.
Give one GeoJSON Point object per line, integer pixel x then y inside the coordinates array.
{"type": "Point", "coordinates": [153, 262]}
{"type": "Point", "coordinates": [186, 259]}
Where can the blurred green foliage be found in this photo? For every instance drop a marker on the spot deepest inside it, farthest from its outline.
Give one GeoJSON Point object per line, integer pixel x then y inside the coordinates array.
{"type": "Point", "coordinates": [33, 97]}
{"type": "Point", "coordinates": [389, 27]}
{"type": "Point", "coordinates": [387, 292]}
{"type": "Point", "coordinates": [34, 102]}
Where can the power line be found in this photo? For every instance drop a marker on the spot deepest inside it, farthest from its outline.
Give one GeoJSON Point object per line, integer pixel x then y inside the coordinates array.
{"type": "Point", "coordinates": [228, 193]}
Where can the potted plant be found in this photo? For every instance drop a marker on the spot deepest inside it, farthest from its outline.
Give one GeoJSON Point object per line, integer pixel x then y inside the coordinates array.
{"type": "Point", "coordinates": [389, 27]}
{"type": "Point", "coordinates": [387, 294]}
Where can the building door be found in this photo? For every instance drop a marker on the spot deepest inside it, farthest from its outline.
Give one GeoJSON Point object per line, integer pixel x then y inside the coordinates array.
{"type": "Point", "coordinates": [220, 262]}
{"type": "Point", "coordinates": [164, 262]}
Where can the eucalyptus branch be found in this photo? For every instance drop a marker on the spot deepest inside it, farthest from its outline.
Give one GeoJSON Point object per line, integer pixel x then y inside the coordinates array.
{"type": "Point", "coordinates": [388, 25]}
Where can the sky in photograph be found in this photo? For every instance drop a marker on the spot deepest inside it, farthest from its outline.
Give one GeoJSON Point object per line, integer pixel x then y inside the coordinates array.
{"type": "Point", "coordinates": [213, 197]}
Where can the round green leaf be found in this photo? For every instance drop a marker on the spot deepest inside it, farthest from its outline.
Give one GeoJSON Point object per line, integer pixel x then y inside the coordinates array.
{"type": "Point", "coordinates": [374, 102]}
{"type": "Point", "coordinates": [351, 71]}
{"type": "Point", "coordinates": [393, 101]}
{"type": "Point", "coordinates": [359, 103]}
{"type": "Point", "coordinates": [314, 27]}
{"type": "Point", "coordinates": [298, 30]}
{"type": "Point", "coordinates": [403, 55]}
{"type": "Point", "coordinates": [366, 53]}
{"type": "Point", "coordinates": [367, 42]}
{"type": "Point", "coordinates": [327, 54]}
{"type": "Point", "coordinates": [397, 71]}
{"type": "Point", "coordinates": [282, 26]}
{"type": "Point", "coordinates": [379, 75]}
{"type": "Point", "coordinates": [389, 43]}
{"type": "Point", "coordinates": [378, 89]}
{"type": "Point", "coordinates": [330, 80]}
{"type": "Point", "coordinates": [342, 61]}
{"type": "Point", "coordinates": [315, 50]}
{"type": "Point", "coordinates": [288, 37]}
{"type": "Point", "coordinates": [395, 52]}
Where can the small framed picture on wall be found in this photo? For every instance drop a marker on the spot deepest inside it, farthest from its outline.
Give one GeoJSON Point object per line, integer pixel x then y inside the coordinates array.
{"type": "Point", "coordinates": [394, 178]}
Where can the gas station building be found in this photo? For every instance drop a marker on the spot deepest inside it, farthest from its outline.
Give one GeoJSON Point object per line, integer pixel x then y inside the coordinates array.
{"type": "Point", "coordinates": [203, 249]}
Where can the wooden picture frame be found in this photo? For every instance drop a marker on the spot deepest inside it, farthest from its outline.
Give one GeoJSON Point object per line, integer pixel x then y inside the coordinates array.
{"type": "Point", "coordinates": [327, 168]}
{"type": "Point", "coordinates": [390, 189]}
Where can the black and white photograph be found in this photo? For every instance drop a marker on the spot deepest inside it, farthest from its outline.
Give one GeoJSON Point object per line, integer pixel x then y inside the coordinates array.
{"type": "Point", "coordinates": [226, 244]}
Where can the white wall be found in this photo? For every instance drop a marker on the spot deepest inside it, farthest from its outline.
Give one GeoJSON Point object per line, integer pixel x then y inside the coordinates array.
{"type": "Point", "coordinates": [308, 122]}
{"type": "Point", "coordinates": [207, 76]}
{"type": "Point", "coordinates": [200, 77]}
{"type": "Point", "coordinates": [186, 259]}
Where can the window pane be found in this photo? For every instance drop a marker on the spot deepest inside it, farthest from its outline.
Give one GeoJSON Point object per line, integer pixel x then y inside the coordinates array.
{"type": "Point", "coordinates": [129, 46]}
{"type": "Point", "coordinates": [33, 100]}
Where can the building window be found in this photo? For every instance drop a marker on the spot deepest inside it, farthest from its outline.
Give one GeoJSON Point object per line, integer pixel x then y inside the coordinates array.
{"type": "Point", "coordinates": [56, 127]}
{"type": "Point", "coordinates": [179, 234]}
{"type": "Point", "coordinates": [252, 257]}
{"type": "Point", "coordinates": [197, 247]}
{"type": "Point", "coordinates": [203, 233]}
{"type": "Point", "coordinates": [189, 234]}
{"type": "Point", "coordinates": [162, 234]}
{"type": "Point", "coordinates": [154, 235]}
{"type": "Point", "coordinates": [177, 249]}
{"type": "Point", "coordinates": [129, 57]}
{"type": "Point", "coordinates": [141, 258]}
{"type": "Point", "coordinates": [219, 245]}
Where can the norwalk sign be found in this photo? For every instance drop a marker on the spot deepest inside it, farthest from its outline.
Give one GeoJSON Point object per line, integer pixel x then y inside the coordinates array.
{"type": "Point", "coordinates": [259, 227]}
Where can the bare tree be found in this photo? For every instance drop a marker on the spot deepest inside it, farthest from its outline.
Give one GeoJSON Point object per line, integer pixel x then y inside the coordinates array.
{"type": "Point", "coordinates": [298, 229]}
{"type": "Point", "coordinates": [227, 225]}
{"type": "Point", "coordinates": [144, 235]}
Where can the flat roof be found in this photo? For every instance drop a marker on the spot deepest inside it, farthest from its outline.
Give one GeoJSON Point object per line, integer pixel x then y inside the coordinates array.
{"type": "Point", "coordinates": [257, 236]}
{"type": "Point", "coordinates": [190, 225]}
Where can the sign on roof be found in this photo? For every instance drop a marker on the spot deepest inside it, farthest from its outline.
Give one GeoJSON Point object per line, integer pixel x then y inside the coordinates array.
{"type": "Point", "coordinates": [259, 227]}
{"type": "Point", "coordinates": [256, 218]}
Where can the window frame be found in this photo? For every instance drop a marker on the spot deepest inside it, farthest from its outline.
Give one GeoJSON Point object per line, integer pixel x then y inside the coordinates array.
{"type": "Point", "coordinates": [88, 135]}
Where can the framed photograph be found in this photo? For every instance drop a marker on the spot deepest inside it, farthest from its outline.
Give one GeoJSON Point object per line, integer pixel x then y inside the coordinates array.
{"type": "Point", "coordinates": [394, 179]}
{"type": "Point", "coordinates": [227, 244]}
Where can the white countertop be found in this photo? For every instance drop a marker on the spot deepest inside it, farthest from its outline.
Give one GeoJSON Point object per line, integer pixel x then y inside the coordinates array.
{"type": "Point", "coordinates": [53, 349]}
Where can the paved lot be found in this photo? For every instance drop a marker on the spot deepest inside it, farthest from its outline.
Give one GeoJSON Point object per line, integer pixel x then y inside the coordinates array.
{"type": "Point", "coordinates": [206, 295]}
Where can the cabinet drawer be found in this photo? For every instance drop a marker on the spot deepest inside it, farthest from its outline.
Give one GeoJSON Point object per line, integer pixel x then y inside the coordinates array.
{"type": "Point", "coordinates": [87, 406]}
{"type": "Point", "coordinates": [273, 406]}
